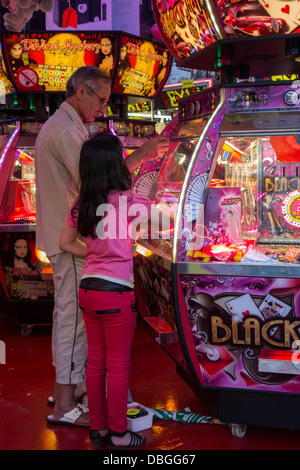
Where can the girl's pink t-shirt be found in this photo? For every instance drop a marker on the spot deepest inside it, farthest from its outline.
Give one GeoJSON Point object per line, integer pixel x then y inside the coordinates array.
{"type": "Point", "coordinates": [110, 253]}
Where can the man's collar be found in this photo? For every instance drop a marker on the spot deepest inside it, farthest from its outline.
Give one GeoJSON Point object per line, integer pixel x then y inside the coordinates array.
{"type": "Point", "coordinates": [73, 115]}
{"type": "Point", "coordinates": [70, 111]}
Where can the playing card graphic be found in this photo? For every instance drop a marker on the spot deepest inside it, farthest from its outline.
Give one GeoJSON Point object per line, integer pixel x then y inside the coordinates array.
{"type": "Point", "coordinates": [243, 306]}
{"type": "Point", "coordinates": [273, 308]}
{"type": "Point", "coordinates": [287, 10]}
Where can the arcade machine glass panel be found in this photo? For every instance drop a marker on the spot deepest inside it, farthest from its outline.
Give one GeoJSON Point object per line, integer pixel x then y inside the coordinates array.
{"type": "Point", "coordinates": [163, 184]}
{"type": "Point", "coordinates": [252, 204]}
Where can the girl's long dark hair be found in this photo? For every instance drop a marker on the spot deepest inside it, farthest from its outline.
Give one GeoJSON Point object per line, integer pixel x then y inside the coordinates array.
{"type": "Point", "coordinates": [101, 169]}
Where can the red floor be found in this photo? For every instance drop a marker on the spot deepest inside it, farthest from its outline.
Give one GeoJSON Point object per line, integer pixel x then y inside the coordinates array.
{"type": "Point", "coordinates": [27, 378]}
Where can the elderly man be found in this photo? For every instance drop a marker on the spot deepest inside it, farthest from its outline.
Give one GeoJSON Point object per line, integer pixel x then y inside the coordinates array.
{"type": "Point", "coordinates": [57, 179]}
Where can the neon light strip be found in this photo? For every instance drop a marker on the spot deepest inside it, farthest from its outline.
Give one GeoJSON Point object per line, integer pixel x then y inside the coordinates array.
{"type": "Point", "coordinates": [156, 116]}
{"type": "Point", "coordinates": [116, 135]}
{"type": "Point", "coordinates": [195, 83]}
{"type": "Point", "coordinates": [2, 158]}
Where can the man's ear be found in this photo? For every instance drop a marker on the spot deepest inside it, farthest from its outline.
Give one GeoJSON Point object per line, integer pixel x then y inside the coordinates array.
{"type": "Point", "coordinates": [80, 90]}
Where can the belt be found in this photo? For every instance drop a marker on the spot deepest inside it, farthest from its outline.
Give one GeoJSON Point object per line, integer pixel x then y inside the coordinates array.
{"type": "Point", "coordinates": [93, 283]}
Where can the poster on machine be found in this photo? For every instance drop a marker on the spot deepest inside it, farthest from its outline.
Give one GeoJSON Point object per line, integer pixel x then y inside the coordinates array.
{"type": "Point", "coordinates": [245, 330]}
{"type": "Point", "coordinates": [259, 17]}
{"type": "Point", "coordinates": [143, 67]}
{"type": "Point", "coordinates": [45, 61]}
{"type": "Point", "coordinates": [22, 269]}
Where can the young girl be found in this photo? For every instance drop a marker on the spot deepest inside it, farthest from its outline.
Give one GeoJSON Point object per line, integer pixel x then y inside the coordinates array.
{"type": "Point", "coordinates": [100, 216]}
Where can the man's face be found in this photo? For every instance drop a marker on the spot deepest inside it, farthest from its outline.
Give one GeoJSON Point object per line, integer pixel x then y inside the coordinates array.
{"type": "Point", "coordinates": [93, 100]}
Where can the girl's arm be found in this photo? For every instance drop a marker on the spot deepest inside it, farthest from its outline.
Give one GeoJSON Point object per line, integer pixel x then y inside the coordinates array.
{"type": "Point", "coordinates": [70, 242]}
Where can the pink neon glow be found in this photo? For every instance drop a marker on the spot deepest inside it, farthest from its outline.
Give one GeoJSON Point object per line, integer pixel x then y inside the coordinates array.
{"type": "Point", "coordinates": [115, 134]}
{"type": "Point", "coordinates": [8, 145]}
{"type": "Point", "coordinates": [195, 83]}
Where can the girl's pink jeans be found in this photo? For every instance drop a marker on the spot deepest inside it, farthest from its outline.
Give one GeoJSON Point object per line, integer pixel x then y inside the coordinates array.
{"type": "Point", "coordinates": [109, 338]}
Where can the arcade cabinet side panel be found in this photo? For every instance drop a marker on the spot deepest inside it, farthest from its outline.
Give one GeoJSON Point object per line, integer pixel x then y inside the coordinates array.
{"type": "Point", "coordinates": [153, 289]}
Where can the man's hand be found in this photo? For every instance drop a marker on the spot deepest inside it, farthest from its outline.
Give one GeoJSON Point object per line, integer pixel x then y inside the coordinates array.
{"type": "Point", "coordinates": [154, 148]}
{"type": "Point", "coordinates": [150, 150]}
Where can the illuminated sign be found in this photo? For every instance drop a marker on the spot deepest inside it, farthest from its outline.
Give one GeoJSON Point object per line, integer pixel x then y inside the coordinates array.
{"type": "Point", "coordinates": [189, 26]}
{"type": "Point", "coordinates": [288, 77]}
{"type": "Point", "coordinates": [258, 17]}
{"type": "Point", "coordinates": [172, 96]}
{"type": "Point", "coordinates": [186, 26]}
{"type": "Point", "coordinates": [45, 61]}
{"type": "Point", "coordinates": [143, 67]}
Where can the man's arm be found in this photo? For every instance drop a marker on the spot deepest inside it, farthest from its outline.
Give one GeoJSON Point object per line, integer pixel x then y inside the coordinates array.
{"type": "Point", "coordinates": [150, 150]}
{"type": "Point", "coordinates": [69, 147]}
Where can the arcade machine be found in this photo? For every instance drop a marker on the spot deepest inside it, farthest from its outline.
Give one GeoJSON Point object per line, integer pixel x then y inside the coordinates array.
{"type": "Point", "coordinates": [40, 64]}
{"type": "Point", "coordinates": [25, 274]}
{"type": "Point", "coordinates": [218, 286]}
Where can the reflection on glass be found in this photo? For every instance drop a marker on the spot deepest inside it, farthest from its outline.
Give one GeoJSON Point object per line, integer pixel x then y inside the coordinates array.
{"type": "Point", "coordinates": [169, 182]}
{"type": "Point", "coordinates": [173, 171]}
{"type": "Point", "coordinates": [163, 185]}
{"type": "Point", "coordinates": [21, 193]}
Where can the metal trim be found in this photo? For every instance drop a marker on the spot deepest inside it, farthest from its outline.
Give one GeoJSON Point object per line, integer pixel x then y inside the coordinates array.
{"type": "Point", "coordinates": [275, 270]}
